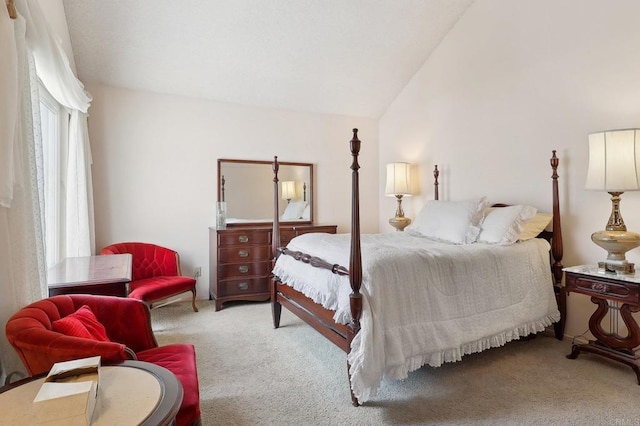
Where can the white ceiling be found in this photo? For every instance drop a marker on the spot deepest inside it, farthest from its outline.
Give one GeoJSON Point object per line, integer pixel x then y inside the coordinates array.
{"type": "Point", "coordinates": [349, 57]}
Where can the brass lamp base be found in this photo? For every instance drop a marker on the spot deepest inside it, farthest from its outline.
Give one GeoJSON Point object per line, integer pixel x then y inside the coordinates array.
{"type": "Point", "coordinates": [399, 222]}
{"type": "Point", "coordinates": [626, 268]}
{"type": "Point", "coordinates": [616, 243]}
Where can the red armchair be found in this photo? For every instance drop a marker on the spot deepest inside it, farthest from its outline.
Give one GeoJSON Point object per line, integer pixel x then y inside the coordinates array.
{"type": "Point", "coordinates": [127, 323]}
{"type": "Point", "coordinates": [156, 273]}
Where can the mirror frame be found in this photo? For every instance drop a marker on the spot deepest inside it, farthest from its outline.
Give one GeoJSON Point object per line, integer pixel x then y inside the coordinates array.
{"type": "Point", "coordinates": [310, 189]}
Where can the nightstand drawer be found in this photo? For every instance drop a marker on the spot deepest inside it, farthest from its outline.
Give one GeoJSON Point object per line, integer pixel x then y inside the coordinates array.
{"type": "Point", "coordinates": [232, 270]}
{"type": "Point", "coordinates": [240, 286]}
{"type": "Point", "coordinates": [244, 237]}
{"type": "Point", "coordinates": [603, 288]}
{"type": "Point", "coordinates": [241, 254]}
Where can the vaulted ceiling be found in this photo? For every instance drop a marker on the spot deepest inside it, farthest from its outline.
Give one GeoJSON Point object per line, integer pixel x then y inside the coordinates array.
{"type": "Point", "coordinates": [349, 57]}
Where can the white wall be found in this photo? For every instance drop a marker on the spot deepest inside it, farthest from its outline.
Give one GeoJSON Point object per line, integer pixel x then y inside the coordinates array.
{"type": "Point", "coordinates": [512, 81]}
{"type": "Point", "coordinates": [154, 165]}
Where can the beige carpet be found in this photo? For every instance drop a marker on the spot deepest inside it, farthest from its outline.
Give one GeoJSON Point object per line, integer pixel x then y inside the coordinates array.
{"type": "Point", "coordinates": [252, 374]}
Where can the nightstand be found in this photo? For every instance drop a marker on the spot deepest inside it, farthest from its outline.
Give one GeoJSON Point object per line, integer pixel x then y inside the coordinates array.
{"type": "Point", "coordinates": [610, 292]}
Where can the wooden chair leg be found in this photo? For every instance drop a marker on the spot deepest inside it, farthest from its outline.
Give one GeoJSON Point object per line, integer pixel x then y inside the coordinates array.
{"type": "Point", "coordinates": [193, 300]}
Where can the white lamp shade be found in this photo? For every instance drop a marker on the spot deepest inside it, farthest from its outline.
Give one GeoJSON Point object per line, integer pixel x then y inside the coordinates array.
{"type": "Point", "coordinates": [614, 158]}
{"type": "Point", "coordinates": [288, 189]}
{"type": "Point", "coordinates": [398, 179]}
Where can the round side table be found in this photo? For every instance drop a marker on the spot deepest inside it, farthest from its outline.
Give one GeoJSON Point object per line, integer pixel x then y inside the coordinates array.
{"type": "Point", "coordinates": [130, 393]}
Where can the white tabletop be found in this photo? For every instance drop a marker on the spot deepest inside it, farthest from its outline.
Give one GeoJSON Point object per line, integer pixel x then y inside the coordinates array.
{"type": "Point", "coordinates": [126, 396]}
{"type": "Point", "coordinates": [594, 271]}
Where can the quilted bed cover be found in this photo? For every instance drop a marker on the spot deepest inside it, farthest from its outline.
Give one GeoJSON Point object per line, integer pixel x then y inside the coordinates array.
{"type": "Point", "coordinates": [426, 302]}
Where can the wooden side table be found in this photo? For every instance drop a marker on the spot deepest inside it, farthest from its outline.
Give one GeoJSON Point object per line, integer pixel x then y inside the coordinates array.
{"type": "Point", "coordinates": [607, 290]}
{"type": "Point", "coordinates": [132, 392]}
{"type": "Point", "coordinates": [104, 275]}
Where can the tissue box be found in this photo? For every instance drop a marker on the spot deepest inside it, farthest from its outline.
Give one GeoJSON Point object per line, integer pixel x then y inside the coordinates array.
{"type": "Point", "coordinates": [69, 393]}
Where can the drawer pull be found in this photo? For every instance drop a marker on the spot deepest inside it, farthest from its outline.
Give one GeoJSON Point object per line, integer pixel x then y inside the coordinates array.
{"type": "Point", "coordinates": [243, 253]}
{"type": "Point", "coordinates": [243, 269]}
{"type": "Point", "coordinates": [243, 286]}
{"type": "Point", "coordinates": [600, 287]}
{"type": "Point", "coordinates": [243, 239]}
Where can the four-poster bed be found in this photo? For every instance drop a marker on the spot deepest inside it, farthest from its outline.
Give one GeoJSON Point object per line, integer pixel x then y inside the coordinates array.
{"type": "Point", "coordinates": [355, 322]}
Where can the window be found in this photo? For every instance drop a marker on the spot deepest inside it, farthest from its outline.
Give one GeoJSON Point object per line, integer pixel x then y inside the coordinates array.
{"type": "Point", "coordinates": [54, 121]}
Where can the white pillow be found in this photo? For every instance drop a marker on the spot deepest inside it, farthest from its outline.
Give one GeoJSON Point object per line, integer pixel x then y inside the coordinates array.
{"type": "Point", "coordinates": [502, 225]}
{"type": "Point", "coordinates": [533, 227]}
{"type": "Point", "coordinates": [306, 213]}
{"type": "Point", "coordinates": [294, 210]}
{"type": "Point", "coordinates": [451, 221]}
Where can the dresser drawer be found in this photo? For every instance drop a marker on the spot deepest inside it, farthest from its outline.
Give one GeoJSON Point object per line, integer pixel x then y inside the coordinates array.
{"type": "Point", "coordinates": [287, 234]}
{"type": "Point", "coordinates": [603, 288]}
{"type": "Point", "coordinates": [232, 270]}
{"type": "Point", "coordinates": [285, 237]}
{"type": "Point", "coordinates": [329, 229]}
{"type": "Point", "coordinates": [249, 237]}
{"type": "Point", "coordinates": [240, 254]}
{"type": "Point", "coordinates": [241, 286]}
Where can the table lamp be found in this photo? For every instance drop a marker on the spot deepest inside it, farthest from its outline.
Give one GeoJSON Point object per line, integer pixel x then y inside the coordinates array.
{"type": "Point", "coordinates": [399, 185]}
{"type": "Point", "coordinates": [614, 158]}
{"type": "Point", "coordinates": [288, 190]}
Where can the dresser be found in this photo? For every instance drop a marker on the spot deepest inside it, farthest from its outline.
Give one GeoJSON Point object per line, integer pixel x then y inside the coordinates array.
{"type": "Point", "coordinates": [240, 260]}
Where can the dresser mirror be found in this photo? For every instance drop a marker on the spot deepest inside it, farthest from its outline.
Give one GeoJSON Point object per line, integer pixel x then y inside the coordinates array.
{"type": "Point", "coordinates": [246, 186]}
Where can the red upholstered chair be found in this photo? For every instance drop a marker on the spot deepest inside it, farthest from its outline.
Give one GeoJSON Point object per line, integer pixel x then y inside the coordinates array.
{"type": "Point", "coordinates": [127, 324]}
{"type": "Point", "coordinates": [156, 272]}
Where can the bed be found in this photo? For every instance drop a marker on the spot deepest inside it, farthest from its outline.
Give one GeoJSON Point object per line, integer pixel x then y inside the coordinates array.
{"type": "Point", "coordinates": [390, 323]}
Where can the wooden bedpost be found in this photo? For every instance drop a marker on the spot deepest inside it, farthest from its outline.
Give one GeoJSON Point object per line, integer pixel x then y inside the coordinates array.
{"type": "Point", "coordinates": [276, 307]}
{"type": "Point", "coordinates": [355, 259]}
{"type": "Point", "coordinates": [557, 252]}
{"type": "Point", "coordinates": [222, 183]}
{"type": "Point", "coordinates": [436, 173]}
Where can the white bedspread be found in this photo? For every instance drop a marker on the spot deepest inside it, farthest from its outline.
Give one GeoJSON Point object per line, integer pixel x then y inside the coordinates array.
{"type": "Point", "coordinates": [426, 302]}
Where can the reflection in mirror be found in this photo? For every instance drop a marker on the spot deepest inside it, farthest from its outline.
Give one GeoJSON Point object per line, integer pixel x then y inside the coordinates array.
{"type": "Point", "coordinates": [247, 188]}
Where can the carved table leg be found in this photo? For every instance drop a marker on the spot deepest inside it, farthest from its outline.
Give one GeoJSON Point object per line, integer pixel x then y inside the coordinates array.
{"type": "Point", "coordinates": [636, 369]}
{"type": "Point", "coordinates": [575, 351]}
{"type": "Point", "coordinates": [612, 345]}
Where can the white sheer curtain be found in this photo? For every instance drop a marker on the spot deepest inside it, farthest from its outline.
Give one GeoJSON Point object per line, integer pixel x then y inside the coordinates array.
{"type": "Point", "coordinates": [28, 46]}
{"type": "Point", "coordinates": [9, 98]}
{"type": "Point", "coordinates": [22, 264]}
{"type": "Point", "coordinates": [54, 70]}
{"type": "Point", "coordinates": [79, 201]}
